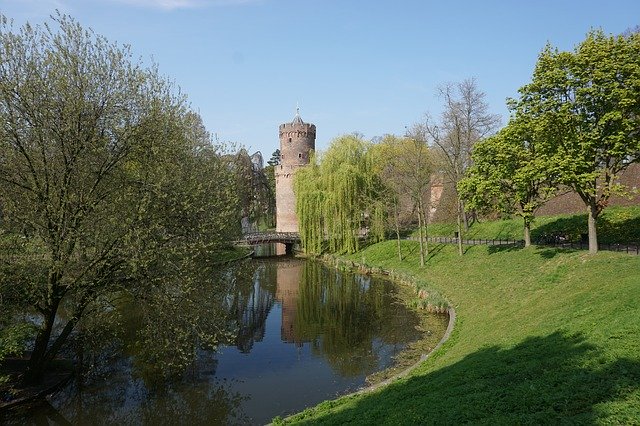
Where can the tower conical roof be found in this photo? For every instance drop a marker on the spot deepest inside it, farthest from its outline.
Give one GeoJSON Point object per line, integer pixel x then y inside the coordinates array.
{"type": "Point", "coordinates": [297, 119]}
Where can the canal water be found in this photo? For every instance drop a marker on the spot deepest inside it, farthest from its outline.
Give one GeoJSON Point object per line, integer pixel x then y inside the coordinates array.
{"type": "Point", "coordinates": [301, 333]}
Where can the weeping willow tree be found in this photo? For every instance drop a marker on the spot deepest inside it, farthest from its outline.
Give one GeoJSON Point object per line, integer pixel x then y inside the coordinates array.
{"type": "Point", "coordinates": [336, 198]}
{"type": "Point", "coordinates": [309, 202]}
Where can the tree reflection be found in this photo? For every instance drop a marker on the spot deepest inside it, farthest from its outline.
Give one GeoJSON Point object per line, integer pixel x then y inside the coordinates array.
{"type": "Point", "coordinates": [346, 318]}
{"type": "Point", "coordinates": [128, 401]}
{"type": "Point", "coordinates": [173, 322]}
{"type": "Point", "coordinates": [249, 302]}
{"type": "Point", "coordinates": [170, 333]}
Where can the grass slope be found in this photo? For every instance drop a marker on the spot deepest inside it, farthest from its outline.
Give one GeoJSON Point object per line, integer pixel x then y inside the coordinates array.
{"type": "Point", "coordinates": [543, 336]}
{"type": "Point", "coordinates": [615, 225]}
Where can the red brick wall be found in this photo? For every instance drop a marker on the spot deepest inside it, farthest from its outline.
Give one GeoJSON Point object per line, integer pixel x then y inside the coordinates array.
{"type": "Point", "coordinates": [297, 140]}
{"type": "Point", "coordinates": [568, 202]}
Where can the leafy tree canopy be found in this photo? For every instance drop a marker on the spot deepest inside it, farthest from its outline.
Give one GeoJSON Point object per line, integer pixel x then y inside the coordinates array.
{"type": "Point", "coordinates": [586, 104]}
{"type": "Point", "coordinates": [105, 173]}
{"type": "Point", "coordinates": [334, 197]}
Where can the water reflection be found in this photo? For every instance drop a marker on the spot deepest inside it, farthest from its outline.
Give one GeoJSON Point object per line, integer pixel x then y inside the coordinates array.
{"type": "Point", "coordinates": [250, 305]}
{"type": "Point", "coordinates": [287, 292]}
{"type": "Point", "coordinates": [345, 317]}
{"type": "Point", "coordinates": [300, 333]}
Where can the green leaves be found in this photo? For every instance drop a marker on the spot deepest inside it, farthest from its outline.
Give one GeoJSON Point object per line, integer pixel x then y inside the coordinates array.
{"type": "Point", "coordinates": [509, 174]}
{"type": "Point", "coordinates": [583, 109]}
{"type": "Point", "coordinates": [335, 199]}
{"type": "Point", "coordinates": [104, 169]}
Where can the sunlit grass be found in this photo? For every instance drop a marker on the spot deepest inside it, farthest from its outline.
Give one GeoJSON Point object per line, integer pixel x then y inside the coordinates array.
{"type": "Point", "coordinates": [543, 336]}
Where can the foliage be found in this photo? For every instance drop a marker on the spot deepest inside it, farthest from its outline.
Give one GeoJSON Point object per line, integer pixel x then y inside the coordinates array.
{"type": "Point", "coordinates": [335, 197]}
{"type": "Point", "coordinates": [270, 176]}
{"type": "Point", "coordinates": [105, 173]}
{"type": "Point", "coordinates": [406, 166]}
{"type": "Point", "coordinates": [509, 174]}
{"type": "Point", "coordinates": [575, 335]}
{"type": "Point", "coordinates": [586, 105]}
{"type": "Point", "coordinates": [12, 340]}
{"type": "Point", "coordinates": [254, 187]}
{"type": "Point", "coordinates": [179, 311]}
{"type": "Point", "coordinates": [275, 159]}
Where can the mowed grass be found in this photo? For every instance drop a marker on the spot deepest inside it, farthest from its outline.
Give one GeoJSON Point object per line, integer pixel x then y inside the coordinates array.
{"type": "Point", "coordinates": [615, 225]}
{"type": "Point", "coordinates": [542, 336]}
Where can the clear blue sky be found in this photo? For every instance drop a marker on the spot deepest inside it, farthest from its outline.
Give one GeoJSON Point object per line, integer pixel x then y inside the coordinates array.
{"type": "Point", "coordinates": [353, 66]}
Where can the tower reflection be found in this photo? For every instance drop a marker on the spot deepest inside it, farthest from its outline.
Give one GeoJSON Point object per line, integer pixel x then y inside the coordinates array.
{"type": "Point", "coordinates": [287, 291]}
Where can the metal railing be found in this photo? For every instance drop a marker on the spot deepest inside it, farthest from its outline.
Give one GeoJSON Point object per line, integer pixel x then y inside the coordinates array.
{"type": "Point", "coordinates": [269, 237]}
{"type": "Point", "coordinates": [621, 248]}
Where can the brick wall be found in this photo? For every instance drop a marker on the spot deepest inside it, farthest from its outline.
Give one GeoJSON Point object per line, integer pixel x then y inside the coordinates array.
{"type": "Point", "coordinates": [297, 140]}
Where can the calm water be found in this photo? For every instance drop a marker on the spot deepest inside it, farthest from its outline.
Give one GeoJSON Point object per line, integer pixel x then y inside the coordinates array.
{"type": "Point", "coordinates": [303, 333]}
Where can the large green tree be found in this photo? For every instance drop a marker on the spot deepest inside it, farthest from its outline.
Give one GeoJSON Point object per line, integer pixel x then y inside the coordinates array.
{"type": "Point", "coordinates": [509, 174]}
{"type": "Point", "coordinates": [587, 104]}
{"type": "Point", "coordinates": [102, 167]}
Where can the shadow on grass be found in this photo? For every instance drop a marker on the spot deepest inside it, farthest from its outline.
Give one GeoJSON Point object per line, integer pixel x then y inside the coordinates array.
{"type": "Point", "coordinates": [564, 229]}
{"type": "Point", "coordinates": [504, 248]}
{"type": "Point", "coordinates": [573, 229]}
{"type": "Point", "coordinates": [551, 252]}
{"type": "Point", "coordinates": [551, 379]}
{"type": "Point", "coordinates": [434, 249]}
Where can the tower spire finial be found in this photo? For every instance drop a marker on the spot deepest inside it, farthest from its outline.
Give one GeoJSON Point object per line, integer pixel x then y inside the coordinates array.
{"type": "Point", "coordinates": [297, 119]}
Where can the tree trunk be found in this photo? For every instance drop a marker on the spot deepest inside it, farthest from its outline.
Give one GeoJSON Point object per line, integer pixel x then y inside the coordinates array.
{"type": "Point", "coordinates": [37, 362]}
{"type": "Point", "coordinates": [420, 236]}
{"type": "Point", "coordinates": [460, 213]}
{"type": "Point", "coordinates": [57, 344]}
{"type": "Point", "coordinates": [425, 225]}
{"type": "Point", "coordinates": [593, 234]}
{"type": "Point", "coordinates": [465, 218]}
{"type": "Point", "coordinates": [527, 233]}
{"type": "Point", "coordinates": [397, 223]}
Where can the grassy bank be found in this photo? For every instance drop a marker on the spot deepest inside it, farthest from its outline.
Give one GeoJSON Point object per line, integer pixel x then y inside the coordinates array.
{"type": "Point", "coordinates": [615, 225]}
{"type": "Point", "coordinates": [543, 335]}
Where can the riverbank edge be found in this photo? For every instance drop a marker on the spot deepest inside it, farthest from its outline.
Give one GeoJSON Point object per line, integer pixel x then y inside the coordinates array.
{"type": "Point", "coordinates": [451, 312]}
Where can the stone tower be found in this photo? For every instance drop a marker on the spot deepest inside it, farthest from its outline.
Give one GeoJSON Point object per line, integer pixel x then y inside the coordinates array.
{"type": "Point", "coordinates": [297, 140]}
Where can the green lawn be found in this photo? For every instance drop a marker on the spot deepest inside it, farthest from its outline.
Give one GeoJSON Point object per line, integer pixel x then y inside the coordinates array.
{"type": "Point", "coordinates": [615, 225]}
{"type": "Point", "coordinates": [542, 336]}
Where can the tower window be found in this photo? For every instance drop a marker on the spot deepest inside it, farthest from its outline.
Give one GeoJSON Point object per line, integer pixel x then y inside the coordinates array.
{"type": "Point", "coordinates": [289, 139]}
{"type": "Point", "coordinates": [299, 155]}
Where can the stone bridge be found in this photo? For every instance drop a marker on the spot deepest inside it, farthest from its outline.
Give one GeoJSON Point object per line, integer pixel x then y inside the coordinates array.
{"type": "Point", "coordinates": [286, 238]}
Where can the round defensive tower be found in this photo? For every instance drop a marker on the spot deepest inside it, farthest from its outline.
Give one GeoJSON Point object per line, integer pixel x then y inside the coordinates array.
{"type": "Point", "coordinates": [297, 140]}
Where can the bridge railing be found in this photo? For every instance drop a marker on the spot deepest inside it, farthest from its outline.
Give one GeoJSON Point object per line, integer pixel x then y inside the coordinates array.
{"type": "Point", "coordinates": [270, 237]}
